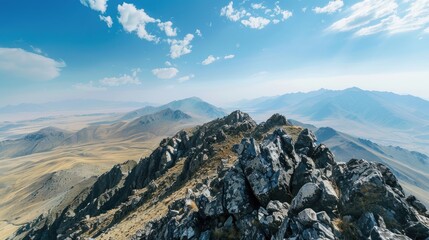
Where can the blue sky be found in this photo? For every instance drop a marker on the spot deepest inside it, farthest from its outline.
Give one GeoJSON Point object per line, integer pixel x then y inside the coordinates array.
{"type": "Point", "coordinates": [221, 51]}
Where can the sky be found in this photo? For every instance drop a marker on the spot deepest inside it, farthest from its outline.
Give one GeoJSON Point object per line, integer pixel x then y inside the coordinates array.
{"type": "Point", "coordinates": [219, 50]}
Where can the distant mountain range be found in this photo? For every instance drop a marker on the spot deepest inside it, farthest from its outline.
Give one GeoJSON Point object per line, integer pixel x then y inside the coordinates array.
{"type": "Point", "coordinates": [161, 123]}
{"type": "Point", "coordinates": [193, 106]}
{"type": "Point", "coordinates": [381, 116]}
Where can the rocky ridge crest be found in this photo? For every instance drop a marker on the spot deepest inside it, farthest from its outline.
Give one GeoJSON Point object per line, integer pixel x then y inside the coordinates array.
{"type": "Point", "coordinates": [277, 186]}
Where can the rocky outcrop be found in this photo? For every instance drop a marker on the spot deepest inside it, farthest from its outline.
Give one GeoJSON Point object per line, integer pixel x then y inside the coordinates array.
{"type": "Point", "coordinates": [277, 188]}
{"type": "Point", "coordinates": [270, 194]}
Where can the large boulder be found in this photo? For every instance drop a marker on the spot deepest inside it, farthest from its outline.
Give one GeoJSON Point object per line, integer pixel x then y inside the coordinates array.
{"type": "Point", "coordinates": [267, 168]}
{"type": "Point", "coordinates": [306, 143]}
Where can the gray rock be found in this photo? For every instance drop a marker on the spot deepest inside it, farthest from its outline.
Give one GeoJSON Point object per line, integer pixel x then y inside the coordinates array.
{"type": "Point", "coordinates": [384, 234]}
{"type": "Point", "coordinates": [236, 193]}
{"type": "Point", "coordinates": [323, 157]}
{"type": "Point", "coordinates": [329, 197]}
{"type": "Point", "coordinates": [307, 217]}
{"type": "Point", "coordinates": [304, 173]}
{"type": "Point", "coordinates": [305, 144]}
{"type": "Point", "coordinates": [416, 204]}
{"type": "Point", "coordinates": [267, 169]}
{"type": "Point", "coordinates": [308, 196]}
{"type": "Point", "coordinates": [323, 218]}
{"type": "Point", "coordinates": [366, 223]}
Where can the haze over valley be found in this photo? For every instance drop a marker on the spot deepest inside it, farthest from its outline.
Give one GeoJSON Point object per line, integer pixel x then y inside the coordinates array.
{"type": "Point", "coordinates": [200, 119]}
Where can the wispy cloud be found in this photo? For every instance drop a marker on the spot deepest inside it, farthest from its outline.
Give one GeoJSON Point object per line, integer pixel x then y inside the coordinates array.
{"type": "Point", "coordinates": [209, 60]}
{"type": "Point", "coordinates": [89, 87]}
{"type": "Point", "coordinates": [186, 78]}
{"type": "Point", "coordinates": [107, 20]}
{"type": "Point", "coordinates": [331, 7]}
{"type": "Point", "coordinates": [102, 84]}
{"type": "Point", "coordinates": [165, 73]}
{"type": "Point", "coordinates": [32, 66]}
{"type": "Point", "coordinates": [369, 17]}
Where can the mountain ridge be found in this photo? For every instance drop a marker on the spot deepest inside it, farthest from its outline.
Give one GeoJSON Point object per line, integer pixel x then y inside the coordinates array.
{"type": "Point", "coordinates": [233, 178]}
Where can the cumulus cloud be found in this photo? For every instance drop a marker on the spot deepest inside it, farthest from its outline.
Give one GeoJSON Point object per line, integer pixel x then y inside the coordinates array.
{"type": "Point", "coordinates": [20, 63]}
{"type": "Point", "coordinates": [231, 13]}
{"type": "Point", "coordinates": [331, 7]}
{"type": "Point", "coordinates": [186, 78]}
{"type": "Point", "coordinates": [167, 27]}
{"type": "Point", "coordinates": [198, 32]}
{"type": "Point", "coordinates": [179, 48]}
{"type": "Point", "coordinates": [135, 20]}
{"type": "Point", "coordinates": [285, 14]}
{"type": "Point", "coordinates": [256, 22]}
{"type": "Point", "coordinates": [165, 73]}
{"type": "Point", "coordinates": [107, 20]}
{"type": "Point", "coordinates": [229, 56]}
{"type": "Point", "coordinates": [369, 17]}
{"type": "Point", "coordinates": [209, 60]}
{"type": "Point", "coordinates": [97, 5]}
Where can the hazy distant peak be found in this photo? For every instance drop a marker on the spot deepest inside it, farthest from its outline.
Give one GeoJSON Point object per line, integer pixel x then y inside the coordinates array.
{"type": "Point", "coordinates": [325, 133]}
{"type": "Point", "coordinates": [45, 132]}
{"type": "Point", "coordinates": [192, 106]}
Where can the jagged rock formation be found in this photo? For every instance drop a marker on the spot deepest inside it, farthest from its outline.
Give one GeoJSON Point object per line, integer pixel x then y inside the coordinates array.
{"type": "Point", "coordinates": [279, 185]}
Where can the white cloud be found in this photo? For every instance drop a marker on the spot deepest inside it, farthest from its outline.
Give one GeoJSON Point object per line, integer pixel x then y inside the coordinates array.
{"type": "Point", "coordinates": [101, 85]}
{"type": "Point", "coordinates": [198, 32]}
{"type": "Point", "coordinates": [253, 16]}
{"type": "Point", "coordinates": [97, 5]}
{"type": "Point", "coordinates": [258, 6]}
{"type": "Point", "coordinates": [285, 14]}
{"type": "Point", "coordinates": [186, 78]}
{"type": "Point", "coordinates": [180, 47]}
{"type": "Point", "coordinates": [165, 73]}
{"type": "Point", "coordinates": [135, 20]}
{"type": "Point", "coordinates": [167, 63]}
{"type": "Point", "coordinates": [119, 81]}
{"type": "Point", "coordinates": [231, 13]}
{"type": "Point", "coordinates": [374, 16]}
{"type": "Point", "coordinates": [331, 7]}
{"type": "Point", "coordinates": [88, 87]}
{"type": "Point", "coordinates": [256, 22]}
{"type": "Point", "coordinates": [107, 20]}
{"type": "Point", "coordinates": [426, 30]}
{"type": "Point", "coordinates": [20, 63]}
{"type": "Point", "coordinates": [167, 27]}
{"type": "Point", "coordinates": [229, 56]}
{"type": "Point", "coordinates": [304, 9]}
{"type": "Point", "coordinates": [209, 60]}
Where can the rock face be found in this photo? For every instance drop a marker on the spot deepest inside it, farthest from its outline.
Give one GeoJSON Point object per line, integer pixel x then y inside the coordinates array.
{"type": "Point", "coordinates": [276, 189]}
